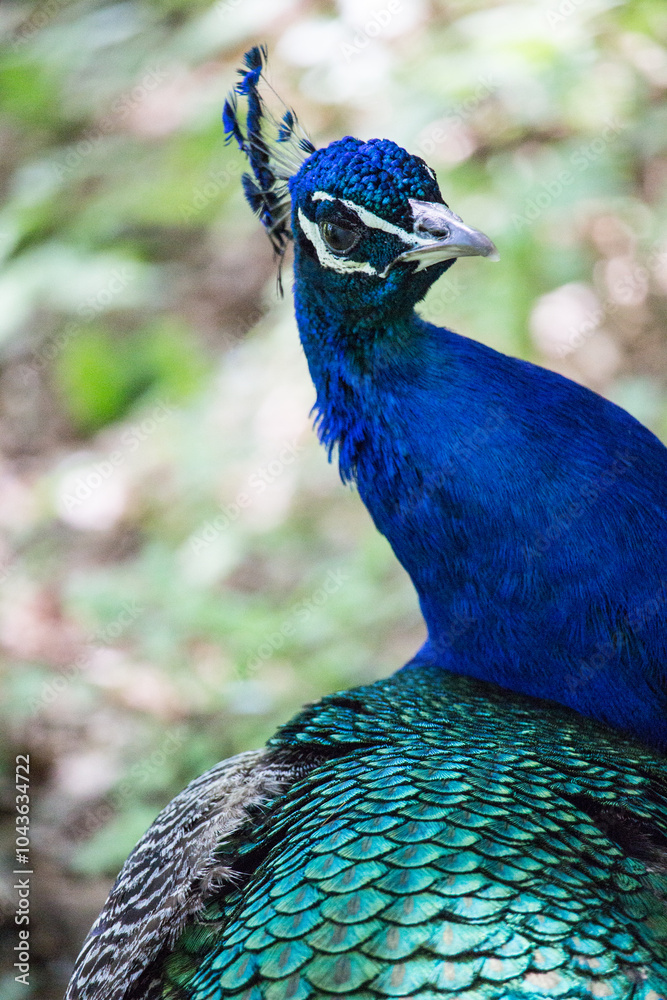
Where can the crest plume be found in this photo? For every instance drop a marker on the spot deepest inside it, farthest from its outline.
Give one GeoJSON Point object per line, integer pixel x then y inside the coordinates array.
{"type": "Point", "coordinates": [275, 149]}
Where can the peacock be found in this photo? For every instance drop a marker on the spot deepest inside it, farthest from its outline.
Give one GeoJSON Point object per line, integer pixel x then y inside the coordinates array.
{"type": "Point", "coordinates": [490, 822]}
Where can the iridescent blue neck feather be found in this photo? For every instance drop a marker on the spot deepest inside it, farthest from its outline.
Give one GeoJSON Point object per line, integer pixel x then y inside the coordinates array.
{"type": "Point", "coordinates": [530, 513]}
{"type": "Point", "coordinates": [520, 503]}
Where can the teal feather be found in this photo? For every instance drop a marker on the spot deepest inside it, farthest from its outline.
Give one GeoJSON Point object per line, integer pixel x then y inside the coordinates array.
{"type": "Point", "coordinates": [429, 836]}
{"type": "Point", "coordinates": [537, 872]}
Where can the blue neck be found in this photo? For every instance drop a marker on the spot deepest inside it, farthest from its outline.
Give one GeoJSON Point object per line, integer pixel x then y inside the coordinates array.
{"type": "Point", "coordinates": [503, 490]}
{"type": "Point", "coordinates": [348, 363]}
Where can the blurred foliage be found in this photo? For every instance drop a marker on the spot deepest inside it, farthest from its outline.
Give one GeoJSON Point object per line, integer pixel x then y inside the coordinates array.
{"type": "Point", "coordinates": [179, 566]}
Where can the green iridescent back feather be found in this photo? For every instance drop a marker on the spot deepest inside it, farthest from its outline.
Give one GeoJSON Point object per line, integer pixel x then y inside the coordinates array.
{"type": "Point", "coordinates": [448, 842]}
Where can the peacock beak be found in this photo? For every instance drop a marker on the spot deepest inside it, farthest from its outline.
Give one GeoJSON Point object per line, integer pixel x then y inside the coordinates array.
{"type": "Point", "coordinates": [440, 235]}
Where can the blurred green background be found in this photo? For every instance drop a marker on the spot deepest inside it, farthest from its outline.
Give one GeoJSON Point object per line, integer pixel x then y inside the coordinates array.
{"type": "Point", "coordinates": [180, 568]}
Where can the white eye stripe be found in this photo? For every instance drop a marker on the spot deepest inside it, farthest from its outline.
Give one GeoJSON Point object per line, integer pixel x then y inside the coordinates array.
{"type": "Point", "coordinates": [344, 265]}
{"type": "Point", "coordinates": [325, 257]}
{"type": "Point", "coordinates": [375, 221]}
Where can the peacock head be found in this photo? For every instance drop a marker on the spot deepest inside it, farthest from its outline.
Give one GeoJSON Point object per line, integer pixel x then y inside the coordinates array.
{"type": "Point", "coordinates": [370, 227]}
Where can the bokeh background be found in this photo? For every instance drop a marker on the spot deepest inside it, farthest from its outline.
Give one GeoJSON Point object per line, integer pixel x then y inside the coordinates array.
{"type": "Point", "coordinates": [180, 568]}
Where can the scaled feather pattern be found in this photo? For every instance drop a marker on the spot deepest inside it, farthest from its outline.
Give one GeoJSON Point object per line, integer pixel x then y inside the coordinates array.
{"type": "Point", "coordinates": [489, 823]}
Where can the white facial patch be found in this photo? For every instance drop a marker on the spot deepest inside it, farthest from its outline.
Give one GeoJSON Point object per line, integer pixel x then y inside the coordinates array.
{"type": "Point", "coordinates": [326, 258]}
{"type": "Point", "coordinates": [370, 219]}
{"type": "Point", "coordinates": [438, 235]}
{"type": "Point", "coordinates": [344, 265]}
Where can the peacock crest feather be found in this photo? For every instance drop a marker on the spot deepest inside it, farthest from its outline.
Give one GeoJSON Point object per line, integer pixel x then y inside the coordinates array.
{"type": "Point", "coordinates": [276, 148]}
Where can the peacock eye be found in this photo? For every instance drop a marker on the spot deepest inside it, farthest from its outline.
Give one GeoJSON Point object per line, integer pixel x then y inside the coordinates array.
{"type": "Point", "coordinates": [339, 239]}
